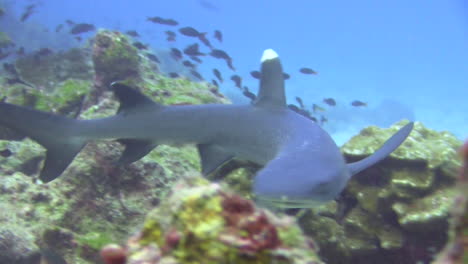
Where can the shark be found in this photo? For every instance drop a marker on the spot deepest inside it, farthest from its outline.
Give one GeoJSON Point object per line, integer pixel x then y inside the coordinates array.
{"type": "Point", "coordinates": [302, 165]}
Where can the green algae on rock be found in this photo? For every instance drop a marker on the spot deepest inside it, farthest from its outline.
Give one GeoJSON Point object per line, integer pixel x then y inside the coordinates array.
{"type": "Point", "coordinates": [114, 58]}
{"type": "Point", "coordinates": [399, 208]}
{"type": "Point", "coordinates": [201, 222]}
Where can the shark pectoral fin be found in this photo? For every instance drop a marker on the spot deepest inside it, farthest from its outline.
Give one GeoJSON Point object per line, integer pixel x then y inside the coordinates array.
{"type": "Point", "coordinates": [131, 99]}
{"type": "Point", "coordinates": [271, 92]}
{"type": "Point", "coordinates": [135, 149]}
{"type": "Point", "coordinates": [388, 147]}
{"type": "Point", "coordinates": [58, 158]}
{"type": "Point", "coordinates": [212, 157]}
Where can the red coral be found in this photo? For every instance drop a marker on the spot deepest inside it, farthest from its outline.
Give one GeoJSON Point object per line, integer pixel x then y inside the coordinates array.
{"type": "Point", "coordinates": [240, 216]}
{"type": "Point", "coordinates": [113, 254]}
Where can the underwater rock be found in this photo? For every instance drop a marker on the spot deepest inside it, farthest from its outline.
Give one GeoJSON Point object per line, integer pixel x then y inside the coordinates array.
{"type": "Point", "coordinates": [397, 211]}
{"type": "Point", "coordinates": [5, 40]}
{"type": "Point", "coordinates": [45, 72]}
{"type": "Point", "coordinates": [114, 58]}
{"type": "Point", "coordinates": [202, 222]}
{"type": "Point", "coordinates": [15, 244]}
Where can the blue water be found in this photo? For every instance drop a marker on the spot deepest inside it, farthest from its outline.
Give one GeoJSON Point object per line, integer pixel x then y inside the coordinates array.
{"type": "Point", "coordinates": [406, 59]}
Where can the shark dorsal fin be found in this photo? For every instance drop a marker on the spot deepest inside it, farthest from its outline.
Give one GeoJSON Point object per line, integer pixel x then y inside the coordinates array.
{"type": "Point", "coordinates": [271, 92]}
{"type": "Point", "coordinates": [131, 99]}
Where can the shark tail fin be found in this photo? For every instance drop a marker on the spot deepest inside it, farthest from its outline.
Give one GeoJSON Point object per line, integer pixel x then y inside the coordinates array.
{"type": "Point", "coordinates": [132, 101]}
{"type": "Point", "coordinates": [50, 130]}
{"type": "Point", "coordinates": [388, 147]}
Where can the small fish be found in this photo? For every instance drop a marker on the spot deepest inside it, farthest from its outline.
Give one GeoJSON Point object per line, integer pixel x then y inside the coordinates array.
{"type": "Point", "coordinates": [217, 73]}
{"type": "Point", "coordinates": [82, 28]}
{"type": "Point", "coordinates": [58, 28]}
{"type": "Point", "coordinates": [316, 108]}
{"type": "Point", "coordinates": [5, 153]}
{"type": "Point", "coordinates": [193, 50]}
{"type": "Point", "coordinates": [29, 10]}
{"type": "Point", "coordinates": [286, 76]}
{"type": "Point", "coordinates": [196, 59]}
{"type": "Point", "coordinates": [307, 71]}
{"type": "Point", "coordinates": [220, 54]}
{"type": "Point", "coordinates": [140, 45]}
{"type": "Point", "coordinates": [187, 63]}
{"type": "Point", "coordinates": [329, 101]}
{"type": "Point", "coordinates": [153, 57]}
{"type": "Point", "coordinates": [237, 80]}
{"type": "Point", "coordinates": [173, 75]}
{"type": "Point", "coordinates": [163, 21]}
{"type": "Point", "coordinates": [215, 83]}
{"type": "Point", "coordinates": [170, 35]}
{"type": "Point", "coordinates": [189, 32]}
{"type": "Point", "coordinates": [204, 40]}
{"type": "Point", "coordinates": [70, 22]}
{"type": "Point", "coordinates": [196, 74]}
{"type": "Point", "coordinates": [323, 120]}
{"type": "Point", "coordinates": [295, 108]}
{"type": "Point", "coordinates": [247, 93]}
{"type": "Point", "coordinates": [78, 38]}
{"type": "Point", "coordinates": [358, 103]}
{"type": "Point", "coordinates": [256, 74]}
{"type": "Point", "coordinates": [176, 54]}
{"type": "Point", "coordinates": [299, 101]}
{"type": "Point", "coordinates": [132, 33]}
{"type": "Point", "coordinates": [218, 35]}
{"type": "Point", "coordinates": [43, 52]}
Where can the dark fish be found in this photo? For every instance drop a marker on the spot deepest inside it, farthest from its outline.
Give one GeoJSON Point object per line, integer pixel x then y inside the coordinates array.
{"type": "Point", "coordinates": [193, 50]}
{"type": "Point", "coordinates": [163, 21]}
{"type": "Point", "coordinates": [316, 108]}
{"type": "Point", "coordinates": [286, 76]}
{"type": "Point", "coordinates": [69, 22]}
{"type": "Point", "coordinates": [5, 153]}
{"type": "Point", "coordinates": [20, 51]}
{"type": "Point", "coordinates": [229, 64]}
{"type": "Point", "coordinates": [249, 94]}
{"type": "Point", "coordinates": [358, 103]}
{"type": "Point", "coordinates": [294, 108]}
{"type": "Point", "coordinates": [256, 74]}
{"type": "Point", "coordinates": [329, 101]}
{"type": "Point", "coordinates": [196, 59]}
{"type": "Point", "coordinates": [204, 40]}
{"type": "Point", "coordinates": [176, 53]}
{"type": "Point", "coordinates": [78, 38]}
{"type": "Point", "coordinates": [173, 75]}
{"type": "Point", "coordinates": [170, 35]}
{"type": "Point", "coordinates": [299, 101]}
{"type": "Point", "coordinates": [220, 54]}
{"type": "Point", "coordinates": [218, 75]}
{"type": "Point", "coordinates": [323, 120]}
{"type": "Point", "coordinates": [307, 71]}
{"type": "Point", "coordinates": [58, 28]}
{"type": "Point", "coordinates": [153, 57]}
{"type": "Point", "coordinates": [187, 63]}
{"type": "Point", "coordinates": [29, 10]}
{"type": "Point", "coordinates": [82, 28]}
{"type": "Point", "coordinates": [215, 83]}
{"type": "Point", "coordinates": [208, 5]}
{"type": "Point", "coordinates": [132, 33]}
{"type": "Point", "coordinates": [237, 80]}
{"type": "Point", "coordinates": [196, 74]}
{"type": "Point", "coordinates": [140, 45]}
{"type": "Point", "coordinates": [218, 35]}
{"type": "Point", "coordinates": [189, 32]}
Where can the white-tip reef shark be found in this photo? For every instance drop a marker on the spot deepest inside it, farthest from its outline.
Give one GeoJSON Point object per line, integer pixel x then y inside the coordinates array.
{"type": "Point", "coordinates": [302, 165]}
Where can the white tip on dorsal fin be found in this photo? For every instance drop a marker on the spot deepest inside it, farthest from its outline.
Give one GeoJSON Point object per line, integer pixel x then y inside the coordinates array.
{"type": "Point", "coordinates": [271, 92]}
{"type": "Point", "coordinates": [269, 54]}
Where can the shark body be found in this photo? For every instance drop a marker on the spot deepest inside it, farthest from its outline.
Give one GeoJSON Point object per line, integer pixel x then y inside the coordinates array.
{"type": "Point", "coordinates": [302, 164]}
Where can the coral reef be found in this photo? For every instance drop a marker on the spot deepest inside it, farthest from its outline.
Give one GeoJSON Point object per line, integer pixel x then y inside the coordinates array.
{"type": "Point", "coordinates": [201, 222]}
{"type": "Point", "coordinates": [114, 58]}
{"type": "Point", "coordinates": [398, 209]}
